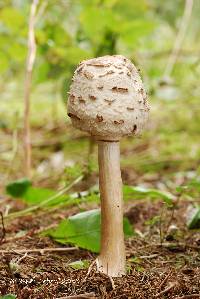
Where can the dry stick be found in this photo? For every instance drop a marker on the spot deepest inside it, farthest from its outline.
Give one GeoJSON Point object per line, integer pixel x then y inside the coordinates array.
{"type": "Point", "coordinates": [180, 37]}
{"type": "Point", "coordinates": [30, 233]}
{"type": "Point", "coordinates": [192, 296]}
{"type": "Point", "coordinates": [28, 79]}
{"type": "Point", "coordinates": [3, 228]}
{"type": "Point", "coordinates": [83, 296]}
{"type": "Point", "coordinates": [169, 245]}
{"type": "Point", "coordinates": [160, 226]}
{"type": "Point", "coordinates": [38, 250]}
{"type": "Point", "coordinates": [165, 280]}
{"type": "Point", "coordinates": [89, 270]}
{"type": "Point", "coordinates": [165, 291]}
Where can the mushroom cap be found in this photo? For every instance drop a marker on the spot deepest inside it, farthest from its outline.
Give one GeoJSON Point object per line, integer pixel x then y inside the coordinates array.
{"type": "Point", "coordinates": [107, 98]}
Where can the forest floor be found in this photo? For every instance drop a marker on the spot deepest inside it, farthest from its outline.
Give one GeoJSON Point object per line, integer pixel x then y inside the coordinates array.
{"type": "Point", "coordinates": [167, 268]}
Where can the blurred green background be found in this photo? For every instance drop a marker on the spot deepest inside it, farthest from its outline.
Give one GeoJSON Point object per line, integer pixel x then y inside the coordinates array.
{"type": "Point", "coordinates": [68, 31]}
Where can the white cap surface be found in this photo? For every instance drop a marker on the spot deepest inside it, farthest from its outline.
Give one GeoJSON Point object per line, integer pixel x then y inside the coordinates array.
{"type": "Point", "coordinates": [107, 98]}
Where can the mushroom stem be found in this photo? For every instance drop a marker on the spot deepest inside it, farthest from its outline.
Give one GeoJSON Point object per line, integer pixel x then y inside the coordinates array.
{"type": "Point", "coordinates": [111, 260]}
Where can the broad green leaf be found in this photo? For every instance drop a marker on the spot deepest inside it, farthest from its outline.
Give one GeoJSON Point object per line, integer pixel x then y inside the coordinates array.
{"type": "Point", "coordinates": [145, 192]}
{"type": "Point", "coordinates": [94, 21]}
{"type": "Point", "coordinates": [75, 54]}
{"type": "Point", "coordinates": [128, 230]}
{"type": "Point", "coordinates": [4, 61]}
{"type": "Point", "coordinates": [77, 265]}
{"type": "Point", "coordinates": [8, 296]}
{"type": "Point", "coordinates": [17, 51]}
{"type": "Point", "coordinates": [37, 195]}
{"type": "Point", "coordinates": [83, 230]}
{"type": "Point", "coordinates": [18, 188]}
{"type": "Point", "coordinates": [41, 73]}
{"type": "Point", "coordinates": [193, 218]}
{"type": "Point", "coordinates": [12, 18]}
{"type": "Point", "coordinates": [130, 9]}
{"type": "Point", "coordinates": [32, 195]}
{"type": "Point", "coordinates": [132, 32]}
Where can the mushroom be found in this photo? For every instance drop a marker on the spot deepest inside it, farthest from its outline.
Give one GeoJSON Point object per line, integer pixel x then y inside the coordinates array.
{"type": "Point", "coordinates": [124, 116]}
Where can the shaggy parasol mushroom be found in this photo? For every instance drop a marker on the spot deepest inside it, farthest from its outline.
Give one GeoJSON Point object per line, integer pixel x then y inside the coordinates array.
{"type": "Point", "coordinates": [107, 99]}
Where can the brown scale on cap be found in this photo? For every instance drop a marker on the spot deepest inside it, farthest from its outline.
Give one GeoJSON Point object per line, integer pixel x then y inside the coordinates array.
{"type": "Point", "coordinates": [79, 69]}
{"type": "Point", "coordinates": [72, 98]}
{"type": "Point", "coordinates": [91, 97]}
{"type": "Point", "coordinates": [73, 116]}
{"type": "Point", "coordinates": [120, 89]}
{"type": "Point", "coordinates": [99, 64]}
{"type": "Point", "coordinates": [119, 122]}
{"type": "Point", "coordinates": [81, 100]}
{"type": "Point", "coordinates": [141, 91]}
{"type": "Point", "coordinates": [134, 128]}
{"type": "Point", "coordinates": [99, 118]}
{"type": "Point", "coordinates": [88, 75]}
{"type": "Point", "coordinates": [109, 101]}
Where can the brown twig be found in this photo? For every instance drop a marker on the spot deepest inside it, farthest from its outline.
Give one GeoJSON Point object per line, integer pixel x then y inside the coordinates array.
{"type": "Point", "coordinates": [30, 233]}
{"type": "Point", "coordinates": [89, 270]}
{"type": "Point", "coordinates": [172, 215]}
{"type": "Point", "coordinates": [192, 296]}
{"type": "Point", "coordinates": [3, 228]}
{"type": "Point", "coordinates": [28, 79]}
{"type": "Point", "coordinates": [38, 250]}
{"type": "Point", "coordinates": [160, 226]}
{"type": "Point", "coordinates": [164, 280]}
{"type": "Point", "coordinates": [83, 296]}
{"type": "Point", "coordinates": [170, 245]}
{"type": "Point", "coordinates": [165, 291]}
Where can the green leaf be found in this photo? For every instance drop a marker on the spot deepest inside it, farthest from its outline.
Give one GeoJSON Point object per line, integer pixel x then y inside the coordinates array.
{"type": "Point", "coordinates": [132, 32]}
{"type": "Point", "coordinates": [4, 62]}
{"type": "Point", "coordinates": [33, 195]}
{"type": "Point", "coordinates": [37, 195]}
{"type": "Point", "coordinates": [130, 9]}
{"type": "Point", "coordinates": [41, 73]}
{"type": "Point", "coordinates": [95, 21]}
{"type": "Point", "coordinates": [17, 51]}
{"type": "Point", "coordinates": [77, 265]}
{"type": "Point", "coordinates": [128, 230]}
{"type": "Point", "coordinates": [18, 188]}
{"type": "Point", "coordinates": [83, 230]}
{"type": "Point", "coordinates": [12, 18]}
{"type": "Point", "coordinates": [75, 54]}
{"type": "Point", "coordinates": [8, 296]}
{"type": "Point", "coordinates": [193, 218]}
{"type": "Point", "coordinates": [145, 192]}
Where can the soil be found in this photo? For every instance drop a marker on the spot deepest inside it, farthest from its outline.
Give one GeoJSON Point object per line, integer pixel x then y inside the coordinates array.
{"type": "Point", "coordinates": [161, 263]}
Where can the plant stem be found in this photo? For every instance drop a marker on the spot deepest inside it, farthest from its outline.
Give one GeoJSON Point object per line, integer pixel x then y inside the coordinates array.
{"type": "Point", "coordinates": [28, 79]}
{"type": "Point", "coordinates": [179, 37]}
